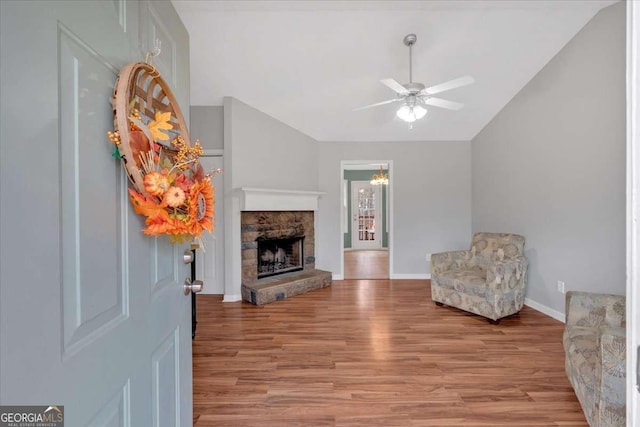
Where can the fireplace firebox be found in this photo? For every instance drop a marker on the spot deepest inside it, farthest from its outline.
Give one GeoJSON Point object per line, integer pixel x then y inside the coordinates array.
{"type": "Point", "coordinates": [264, 228]}
{"type": "Point", "coordinates": [278, 256]}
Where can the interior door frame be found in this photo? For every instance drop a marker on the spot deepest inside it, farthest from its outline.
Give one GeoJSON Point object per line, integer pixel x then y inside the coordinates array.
{"type": "Point", "coordinates": [633, 211]}
{"type": "Point", "coordinates": [350, 165]}
{"type": "Point", "coordinates": [219, 225]}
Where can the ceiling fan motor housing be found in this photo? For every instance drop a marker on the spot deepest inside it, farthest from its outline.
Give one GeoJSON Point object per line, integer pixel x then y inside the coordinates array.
{"type": "Point", "coordinates": [413, 87]}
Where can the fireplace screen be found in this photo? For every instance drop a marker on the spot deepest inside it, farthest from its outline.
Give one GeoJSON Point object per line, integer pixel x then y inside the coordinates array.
{"type": "Point", "coordinates": [279, 256]}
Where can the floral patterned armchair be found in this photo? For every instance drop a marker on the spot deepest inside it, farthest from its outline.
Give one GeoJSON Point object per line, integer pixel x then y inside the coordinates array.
{"type": "Point", "coordinates": [488, 280]}
{"type": "Point", "coordinates": [595, 344]}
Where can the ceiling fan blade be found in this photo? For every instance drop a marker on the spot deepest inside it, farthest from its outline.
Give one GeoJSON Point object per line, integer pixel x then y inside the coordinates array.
{"type": "Point", "coordinates": [443, 103]}
{"type": "Point", "coordinates": [451, 84]}
{"type": "Point", "coordinates": [395, 86]}
{"type": "Point", "coordinates": [377, 103]}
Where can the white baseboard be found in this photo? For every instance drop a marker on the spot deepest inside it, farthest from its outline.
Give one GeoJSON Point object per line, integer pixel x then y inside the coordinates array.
{"type": "Point", "coordinates": [544, 309]}
{"type": "Point", "coordinates": [420, 276]}
{"type": "Point", "coordinates": [337, 277]}
{"type": "Point", "coordinates": [232, 298]}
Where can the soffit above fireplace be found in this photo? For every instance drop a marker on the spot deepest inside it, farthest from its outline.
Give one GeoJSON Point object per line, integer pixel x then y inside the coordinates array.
{"type": "Point", "coordinates": [267, 199]}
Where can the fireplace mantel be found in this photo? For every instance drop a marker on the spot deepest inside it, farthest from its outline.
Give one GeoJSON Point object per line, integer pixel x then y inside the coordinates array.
{"type": "Point", "coordinates": [266, 199]}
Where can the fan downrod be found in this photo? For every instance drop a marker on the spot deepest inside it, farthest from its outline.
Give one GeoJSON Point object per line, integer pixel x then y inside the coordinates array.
{"type": "Point", "coordinates": [410, 39]}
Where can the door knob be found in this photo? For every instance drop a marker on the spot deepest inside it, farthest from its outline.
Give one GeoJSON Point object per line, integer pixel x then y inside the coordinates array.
{"type": "Point", "coordinates": [187, 257]}
{"type": "Point", "coordinates": [195, 286]}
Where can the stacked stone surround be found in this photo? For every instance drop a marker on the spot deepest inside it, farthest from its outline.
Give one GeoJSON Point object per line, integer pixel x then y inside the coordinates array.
{"type": "Point", "coordinates": [274, 225]}
{"type": "Point", "coordinates": [257, 225]}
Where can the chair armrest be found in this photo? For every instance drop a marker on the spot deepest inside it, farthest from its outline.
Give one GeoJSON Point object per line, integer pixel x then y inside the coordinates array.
{"type": "Point", "coordinates": [444, 261]}
{"type": "Point", "coordinates": [507, 274]}
{"type": "Point", "coordinates": [594, 309]}
{"type": "Point", "coordinates": [613, 356]}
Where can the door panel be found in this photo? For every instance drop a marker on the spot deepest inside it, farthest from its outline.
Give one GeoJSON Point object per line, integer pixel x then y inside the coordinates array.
{"type": "Point", "coordinates": [166, 398]}
{"type": "Point", "coordinates": [92, 312]}
{"type": "Point", "coordinates": [92, 257]}
{"type": "Point", "coordinates": [116, 411]}
{"type": "Point", "coordinates": [366, 224]}
{"type": "Point", "coordinates": [164, 271]}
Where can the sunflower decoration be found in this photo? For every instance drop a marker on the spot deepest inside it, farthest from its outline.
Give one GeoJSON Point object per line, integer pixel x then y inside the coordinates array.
{"type": "Point", "coordinates": [169, 187]}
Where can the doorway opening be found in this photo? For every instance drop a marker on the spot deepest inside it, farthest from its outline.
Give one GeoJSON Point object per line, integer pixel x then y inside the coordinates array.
{"type": "Point", "coordinates": [366, 227]}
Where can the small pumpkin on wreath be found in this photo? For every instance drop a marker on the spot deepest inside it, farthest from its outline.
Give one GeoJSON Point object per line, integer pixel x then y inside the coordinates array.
{"type": "Point", "coordinates": [170, 187]}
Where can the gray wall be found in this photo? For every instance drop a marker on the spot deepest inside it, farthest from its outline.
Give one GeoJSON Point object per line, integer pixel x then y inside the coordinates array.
{"type": "Point", "coordinates": [551, 166]}
{"type": "Point", "coordinates": [207, 125]}
{"type": "Point", "coordinates": [430, 192]}
{"type": "Point", "coordinates": [267, 153]}
{"type": "Point", "coordinates": [259, 152]}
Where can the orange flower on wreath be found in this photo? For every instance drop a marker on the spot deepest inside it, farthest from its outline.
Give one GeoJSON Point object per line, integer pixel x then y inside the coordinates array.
{"type": "Point", "coordinates": [201, 209]}
{"type": "Point", "coordinates": [160, 221]}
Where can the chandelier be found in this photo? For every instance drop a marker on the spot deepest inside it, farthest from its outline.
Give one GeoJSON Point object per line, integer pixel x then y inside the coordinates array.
{"type": "Point", "coordinates": [379, 178]}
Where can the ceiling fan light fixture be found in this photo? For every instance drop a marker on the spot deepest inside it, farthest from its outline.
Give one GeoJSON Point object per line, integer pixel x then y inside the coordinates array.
{"type": "Point", "coordinates": [410, 113]}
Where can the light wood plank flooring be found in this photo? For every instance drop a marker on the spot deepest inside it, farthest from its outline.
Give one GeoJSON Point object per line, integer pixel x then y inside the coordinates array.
{"type": "Point", "coordinates": [365, 264]}
{"type": "Point", "coordinates": [376, 353]}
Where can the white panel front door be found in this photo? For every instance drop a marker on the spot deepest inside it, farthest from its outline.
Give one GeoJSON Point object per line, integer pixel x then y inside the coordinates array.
{"type": "Point", "coordinates": [366, 214]}
{"type": "Point", "coordinates": [210, 260]}
{"type": "Point", "coordinates": [92, 312]}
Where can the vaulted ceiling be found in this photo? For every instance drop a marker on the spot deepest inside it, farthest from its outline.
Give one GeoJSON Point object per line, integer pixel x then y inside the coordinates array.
{"type": "Point", "coordinates": [310, 63]}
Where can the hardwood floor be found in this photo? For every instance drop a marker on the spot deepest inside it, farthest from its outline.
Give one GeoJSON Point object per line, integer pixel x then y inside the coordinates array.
{"type": "Point", "coordinates": [376, 353]}
{"type": "Point", "coordinates": [364, 264]}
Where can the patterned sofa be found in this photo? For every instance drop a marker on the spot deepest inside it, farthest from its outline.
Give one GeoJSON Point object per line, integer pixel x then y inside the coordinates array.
{"type": "Point", "coordinates": [595, 346]}
{"type": "Point", "coordinates": [489, 279]}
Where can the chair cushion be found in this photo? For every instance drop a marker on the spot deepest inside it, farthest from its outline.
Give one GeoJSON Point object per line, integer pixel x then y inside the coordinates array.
{"type": "Point", "coordinates": [472, 281]}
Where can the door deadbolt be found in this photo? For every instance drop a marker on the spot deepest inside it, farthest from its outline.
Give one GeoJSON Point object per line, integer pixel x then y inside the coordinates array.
{"type": "Point", "coordinates": [187, 257]}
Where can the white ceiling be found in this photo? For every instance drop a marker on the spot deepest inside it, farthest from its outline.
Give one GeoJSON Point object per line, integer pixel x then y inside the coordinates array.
{"type": "Point", "coordinates": [309, 63]}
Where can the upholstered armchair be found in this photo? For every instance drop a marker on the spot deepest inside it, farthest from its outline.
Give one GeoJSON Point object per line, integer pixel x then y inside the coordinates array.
{"type": "Point", "coordinates": [595, 345]}
{"type": "Point", "coordinates": [489, 279]}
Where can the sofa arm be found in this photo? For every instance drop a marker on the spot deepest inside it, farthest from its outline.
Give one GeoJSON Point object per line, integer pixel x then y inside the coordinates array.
{"type": "Point", "coordinates": [594, 310]}
{"type": "Point", "coordinates": [613, 355]}
{"type": "Point", "coordinates": [444, 261]}
{"type": "Point", "coordinates": [507, 274]}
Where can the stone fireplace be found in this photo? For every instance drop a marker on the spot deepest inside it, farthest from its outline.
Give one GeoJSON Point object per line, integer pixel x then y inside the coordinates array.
{"type": "Point", "coordinates": [276, 242]}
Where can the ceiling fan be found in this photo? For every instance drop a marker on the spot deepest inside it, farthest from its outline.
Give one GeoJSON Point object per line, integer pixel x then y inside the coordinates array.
{"type": "Point", "coordinates": [415, 96]}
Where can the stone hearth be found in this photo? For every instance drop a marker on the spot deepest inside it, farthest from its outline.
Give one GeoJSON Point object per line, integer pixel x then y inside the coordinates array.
{"type": "Point", "coordinates": [276, 288]}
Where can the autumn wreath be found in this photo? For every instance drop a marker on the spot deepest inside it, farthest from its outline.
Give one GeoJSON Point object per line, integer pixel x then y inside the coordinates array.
{"type": "Point", "coordinates": [169, 186]}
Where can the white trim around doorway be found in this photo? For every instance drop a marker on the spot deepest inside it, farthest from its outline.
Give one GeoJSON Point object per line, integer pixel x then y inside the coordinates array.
{"type": "Point", "coordinates": [633, 211]}
{"type": "Point", "coordinates": [358, 165]}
